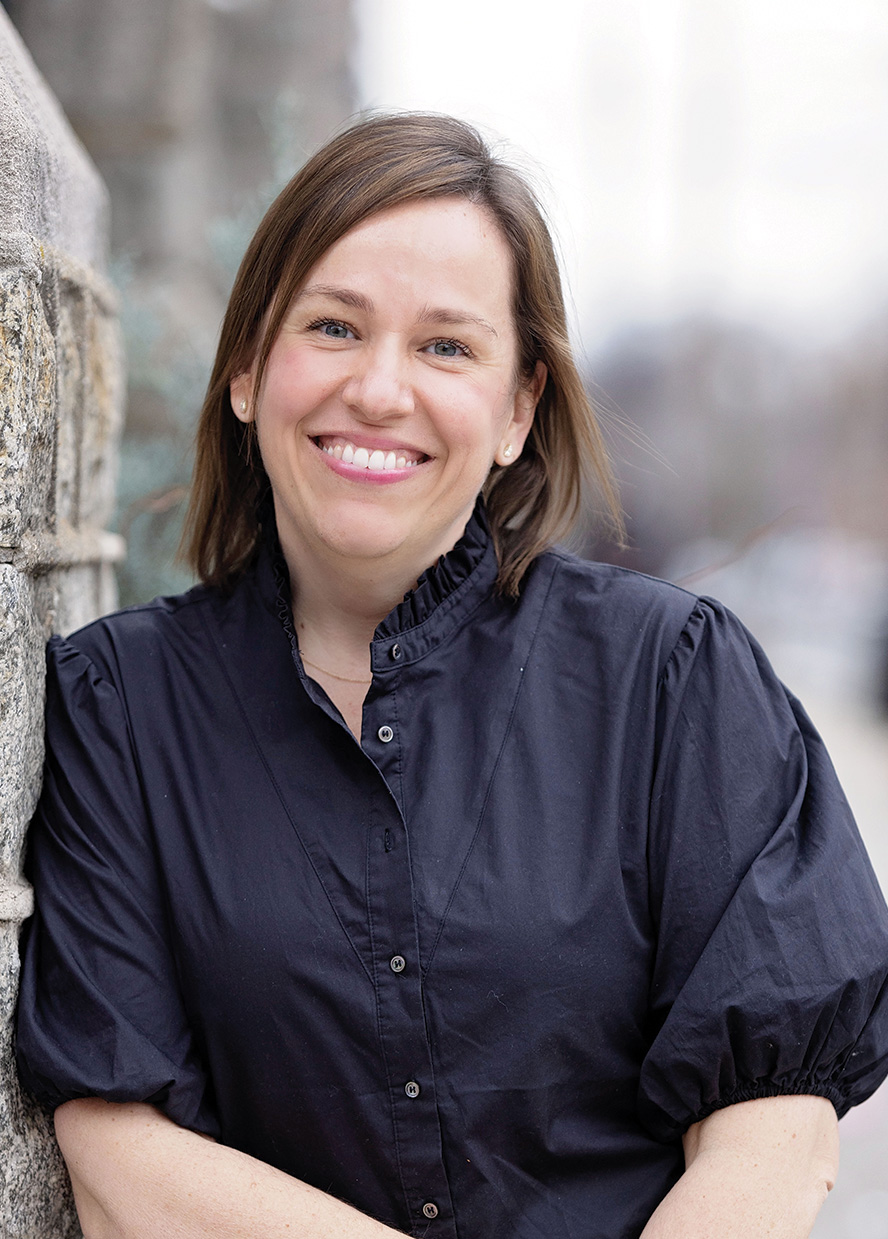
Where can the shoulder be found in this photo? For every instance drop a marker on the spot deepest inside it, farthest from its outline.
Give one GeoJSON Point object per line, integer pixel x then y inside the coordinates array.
{"type": "Point", "coordinates": [616, 608]}
{"type": "Point", "coordinates": [628, 619]}
{"type": "Point", "coordinates": [142, 643]}
{"type": "Point", "coordinates": [590, 582]}
{"type": "Point", "coordinates": [139, 626]}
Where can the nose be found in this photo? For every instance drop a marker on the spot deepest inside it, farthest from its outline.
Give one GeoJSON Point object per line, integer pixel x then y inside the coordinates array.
{"type": "Point", "coordinates": [378, 386]}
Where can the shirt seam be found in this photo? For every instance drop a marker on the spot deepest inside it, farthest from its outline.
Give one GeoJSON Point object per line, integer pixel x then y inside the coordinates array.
{"type": "Point", "coordinates": [493, 773]}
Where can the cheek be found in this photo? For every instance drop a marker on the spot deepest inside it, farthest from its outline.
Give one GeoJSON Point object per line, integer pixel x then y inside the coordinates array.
{"type": "Point", "coordinates": [471, 435]}
{"type": "Point", "coordinates": [475, 417]}
{"type": "Point", "coordinates": [295, 380]}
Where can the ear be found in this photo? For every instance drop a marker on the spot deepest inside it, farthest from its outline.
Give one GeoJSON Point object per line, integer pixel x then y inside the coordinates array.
{"type": "Point", "coordinates": [526, 400]}
{"type": "Point", "coordinates": [241, 391]}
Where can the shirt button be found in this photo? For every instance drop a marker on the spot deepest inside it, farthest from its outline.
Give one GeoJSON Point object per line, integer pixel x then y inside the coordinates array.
{"type": "Point", "coordinates": [385, 734]}
{"type": "Point", "coordinates": [411, 1088]}
{"type": "Point", "coordinates": [395, 652]}
{"type": "Point", "coordinates": [397, 963]}
{"type": "Point", "coordinates": [430, 1209]}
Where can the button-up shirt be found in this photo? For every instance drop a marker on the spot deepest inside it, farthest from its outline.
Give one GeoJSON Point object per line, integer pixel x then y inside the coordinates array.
{"type": "Point", "coordinates": [586, 876]}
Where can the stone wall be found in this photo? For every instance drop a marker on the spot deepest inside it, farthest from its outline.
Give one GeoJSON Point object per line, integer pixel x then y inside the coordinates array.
{"type": "Point", "coordinates": [60, 412]}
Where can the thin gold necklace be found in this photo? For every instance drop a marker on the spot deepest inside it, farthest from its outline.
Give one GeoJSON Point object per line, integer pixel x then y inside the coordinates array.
{"type": "Point", "coordinates": [332, 674]}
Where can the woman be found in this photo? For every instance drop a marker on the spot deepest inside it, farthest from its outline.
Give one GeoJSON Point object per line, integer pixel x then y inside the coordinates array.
{"type": "Point", "coordinates": [450, 885]}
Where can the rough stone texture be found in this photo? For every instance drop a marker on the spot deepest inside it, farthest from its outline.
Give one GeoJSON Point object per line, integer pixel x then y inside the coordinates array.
{"type": "Point", "coordinates": [60, 399]}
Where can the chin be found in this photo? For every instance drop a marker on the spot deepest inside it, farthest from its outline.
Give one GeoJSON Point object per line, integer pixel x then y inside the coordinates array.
{"type": "Point", "coordinates": [365, 539]}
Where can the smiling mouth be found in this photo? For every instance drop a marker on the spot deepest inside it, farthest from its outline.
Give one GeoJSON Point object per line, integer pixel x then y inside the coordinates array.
{"type": "Point", "coordinates": [377, 460]}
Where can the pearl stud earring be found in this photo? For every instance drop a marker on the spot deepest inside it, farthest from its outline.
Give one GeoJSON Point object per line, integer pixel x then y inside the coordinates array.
{"type": "Point", "coordinates": [507, 452]}
{"type": "Point", "coordinates": [243, 406]}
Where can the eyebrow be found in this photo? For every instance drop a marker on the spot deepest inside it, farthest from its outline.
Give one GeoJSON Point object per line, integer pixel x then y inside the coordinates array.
{"type": "Point", "coordinates": [455, 318]}
{"type": "Point", "coordinates": [344, 295]}
{"type": "Point", "coordinates": [442, 317]}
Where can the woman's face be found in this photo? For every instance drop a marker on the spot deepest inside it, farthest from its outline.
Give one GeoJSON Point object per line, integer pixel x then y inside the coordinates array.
{"type": "Point", "coordinates": [391, 388]}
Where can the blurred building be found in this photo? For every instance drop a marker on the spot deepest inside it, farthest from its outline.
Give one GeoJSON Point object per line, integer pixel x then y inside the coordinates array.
{"type": "Point", "coordinates": [756, 469]}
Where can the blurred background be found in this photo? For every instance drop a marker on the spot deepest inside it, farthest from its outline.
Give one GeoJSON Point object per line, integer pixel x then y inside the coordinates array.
{"type": "Point", "coordinates": [717, 175]}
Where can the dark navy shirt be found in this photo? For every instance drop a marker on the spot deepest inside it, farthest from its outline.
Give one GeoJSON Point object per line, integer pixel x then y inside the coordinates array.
{"type": "Point", "coordinates": [587, 877]}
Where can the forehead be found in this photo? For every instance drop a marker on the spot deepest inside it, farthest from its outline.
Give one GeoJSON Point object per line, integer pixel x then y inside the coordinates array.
{"type": "Point", "coordinates": [441, 247]}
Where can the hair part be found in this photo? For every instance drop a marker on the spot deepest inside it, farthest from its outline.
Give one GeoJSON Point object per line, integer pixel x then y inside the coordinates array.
{"type": "Point", "coordinates": [383, 161]}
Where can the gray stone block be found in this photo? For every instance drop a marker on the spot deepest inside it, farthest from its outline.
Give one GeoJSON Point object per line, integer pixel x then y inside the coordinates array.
{"type": "Point", "coordinates": [50, 193]}
{"type": "Point", "coordinates": [104, 397]}
{"type": "Point", "coordinates": [22, 641]}
{"type": "Point", "coordinates": [27, 409]}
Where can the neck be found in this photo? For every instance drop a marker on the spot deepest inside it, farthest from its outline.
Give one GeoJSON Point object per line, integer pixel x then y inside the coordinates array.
{"type": "Point", "coordinates": [337, 608]}
{"type": "Point", "coordinates": [335, 621]}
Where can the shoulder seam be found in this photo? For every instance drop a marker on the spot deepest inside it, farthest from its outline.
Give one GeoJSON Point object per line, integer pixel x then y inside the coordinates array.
{"type": "Point", "coordinates": [569, 557]}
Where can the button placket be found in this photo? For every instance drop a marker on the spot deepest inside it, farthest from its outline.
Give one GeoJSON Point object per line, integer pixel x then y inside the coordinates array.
{"type": "Point", "coordinates": [407, 1053]}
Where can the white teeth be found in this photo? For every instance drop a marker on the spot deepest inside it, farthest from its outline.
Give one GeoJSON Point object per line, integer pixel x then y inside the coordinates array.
{"type": "Point", "coordinates": [378, 460]}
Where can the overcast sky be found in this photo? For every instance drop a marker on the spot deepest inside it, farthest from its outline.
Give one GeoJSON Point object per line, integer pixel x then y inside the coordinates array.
{"type": "Point", "coordinates": [720, 154]}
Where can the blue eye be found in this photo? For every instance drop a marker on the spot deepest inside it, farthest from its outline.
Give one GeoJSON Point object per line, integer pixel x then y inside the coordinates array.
{"type": "Point", "coordinates": [331, 329]}
{"type": "Point", "coordinates": [448, 348]}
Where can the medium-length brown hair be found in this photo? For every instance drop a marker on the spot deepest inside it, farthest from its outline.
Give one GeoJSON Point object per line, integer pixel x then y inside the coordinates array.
{"type": "Point", "coordinates": [381, 162]}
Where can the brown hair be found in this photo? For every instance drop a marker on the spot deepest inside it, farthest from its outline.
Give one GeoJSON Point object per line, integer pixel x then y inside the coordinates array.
{"type": "Point", "coordinates": [382, 162]}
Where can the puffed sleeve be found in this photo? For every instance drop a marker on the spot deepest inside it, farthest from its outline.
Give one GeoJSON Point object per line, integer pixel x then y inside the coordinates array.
{"type": "Point", "coordinates": [772, 951]}
{"type": "Point", "coordinates": [100, 1013]}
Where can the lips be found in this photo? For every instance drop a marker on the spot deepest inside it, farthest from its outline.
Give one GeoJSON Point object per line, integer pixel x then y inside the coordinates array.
{"type": "Point", "coordinates": [377, 459]}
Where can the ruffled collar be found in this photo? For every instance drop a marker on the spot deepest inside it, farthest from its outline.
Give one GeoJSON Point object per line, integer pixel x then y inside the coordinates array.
{"type": "Point", "coordinates": [446, 591]}
{"type": "Point", "coordinates": [443, 579]}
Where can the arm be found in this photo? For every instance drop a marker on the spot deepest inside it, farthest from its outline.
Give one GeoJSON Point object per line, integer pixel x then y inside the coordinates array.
{"type": "Point", "coordinates": [137, 1175]}
{"type": "Point", "coordinates": [759, 1168]}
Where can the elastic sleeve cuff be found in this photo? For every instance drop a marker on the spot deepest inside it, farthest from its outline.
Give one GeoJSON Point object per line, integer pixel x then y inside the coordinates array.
{"type": "Point", "coordinates": [752, 1090]}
